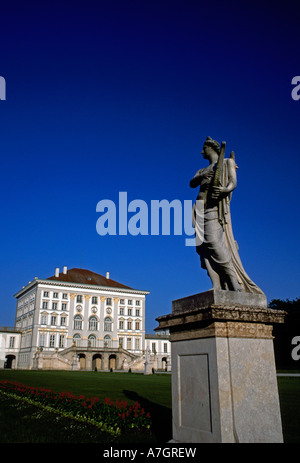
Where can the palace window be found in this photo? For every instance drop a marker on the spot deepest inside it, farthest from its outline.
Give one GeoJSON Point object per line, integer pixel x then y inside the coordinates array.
{"type": "Point", "coordinates": [77, 322]}
{"type": "Point", "coordinates": [46, 294]}
{"type": "Point", "coordinates": [55, 295]}
{"type": "Point", "coordinates": [93, 324]}
{"type": "Point", "coordinates": [53, 319]}
{"type": "Point", "coordinates": [79, 298]}
{"type": "Point", "coordinates": [61, 340]}
{"type": "Point", "coordinates": [65, 296]}
{"type": "Point", "coordinates": [44, 320]}
{"type": "Point", "coordinates": [52, 340]}
{"type": "Point", "coordinates": [42, 340]}
{"type": "Point", "coordinates": [77, 339]}
{"type": "Point", "coordinates": [107, 324]}
{"type": "Point", "coordinates": [108, 301]}
{"type": "Point", "coordinates": [92, 340]}
{"type": "Point", "coordinates": [45, 305]}
{"type": "Point", "coordinates": [63, 321]}
{"type": "Point", "coordinates": [107, 341]}
{"type": "Point", "coordinates": [121, 325]}
{"type": "Point", "coordinates": [94, 300]}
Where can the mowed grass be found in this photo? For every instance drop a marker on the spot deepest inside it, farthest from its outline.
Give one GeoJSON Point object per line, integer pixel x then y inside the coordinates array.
{"type": "Point", "coordinates": [289, 397]}
{"type": "Point", "coordinates": [153, 392]}
{"type": "Point", "coordinates": [127, 386]}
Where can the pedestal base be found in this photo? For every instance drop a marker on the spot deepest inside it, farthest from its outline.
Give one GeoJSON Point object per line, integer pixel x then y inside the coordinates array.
{"type": "Point", "coordinates": [224, 385]}
{"type": "Point", "coordinates": [148, 366]}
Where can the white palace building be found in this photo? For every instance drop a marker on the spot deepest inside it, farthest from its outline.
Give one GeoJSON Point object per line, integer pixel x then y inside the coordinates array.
{"type": "Point", "coordinates": [78, 319]}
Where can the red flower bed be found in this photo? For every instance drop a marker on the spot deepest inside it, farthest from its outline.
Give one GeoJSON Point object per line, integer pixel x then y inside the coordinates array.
{"type": "Point", "coordinates": [116, 417]}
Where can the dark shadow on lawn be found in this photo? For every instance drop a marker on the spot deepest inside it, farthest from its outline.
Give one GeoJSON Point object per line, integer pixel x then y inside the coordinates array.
{"type": "Point", "coordinates": [161, 416]}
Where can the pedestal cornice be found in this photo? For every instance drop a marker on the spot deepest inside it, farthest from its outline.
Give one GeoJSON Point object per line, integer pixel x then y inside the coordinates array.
{"type": "Point", "coordinates": [220, 313]}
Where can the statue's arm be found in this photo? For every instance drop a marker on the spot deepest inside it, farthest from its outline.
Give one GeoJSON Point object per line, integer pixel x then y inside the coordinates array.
{"type": "Point", "coordinates": [232, 181]}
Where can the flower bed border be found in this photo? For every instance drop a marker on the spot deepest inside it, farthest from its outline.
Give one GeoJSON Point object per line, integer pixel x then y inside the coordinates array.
{"type": "Point", "coordinates": [112, 417]}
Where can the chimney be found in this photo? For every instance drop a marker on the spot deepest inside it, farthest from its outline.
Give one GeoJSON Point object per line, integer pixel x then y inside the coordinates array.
{"type": "Point", "coordinates": [65, 269]}
{"type": "Point", "coordinates": [107, 275]}
{"type": "Point", "coordinates": [57, 272]}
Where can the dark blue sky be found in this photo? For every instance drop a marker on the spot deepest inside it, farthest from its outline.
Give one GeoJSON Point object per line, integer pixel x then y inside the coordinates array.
{"type": "Point", "coordinates": [110, 96]}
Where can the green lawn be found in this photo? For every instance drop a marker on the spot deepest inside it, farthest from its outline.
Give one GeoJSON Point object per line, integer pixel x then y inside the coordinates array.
{"type": "Point", "coordinates": [127, 386]}
{"type": "Point", "coordinates": [152, 391]}
{"type": "Point", "coordinates": [289, 396]}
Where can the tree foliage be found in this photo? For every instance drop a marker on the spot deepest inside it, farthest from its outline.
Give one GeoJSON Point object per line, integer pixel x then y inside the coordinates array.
{"type": "Point", "coordinates": [284, 333]}
{"type": "Point", "coordinates": [287, 305]}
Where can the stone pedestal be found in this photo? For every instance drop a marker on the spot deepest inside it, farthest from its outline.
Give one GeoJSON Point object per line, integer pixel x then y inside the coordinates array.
{"type": "Point", "coordinates": [148, 368]}
{"type": "Point", "coordinates": [75, 365]}
{"type": "Point", "coordinates": [224, 385]}
{"type": "Point", "coordinates": [148, 365]}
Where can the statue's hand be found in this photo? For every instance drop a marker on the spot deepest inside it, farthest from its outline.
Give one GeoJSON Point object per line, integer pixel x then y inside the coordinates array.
{"type": "Point", "coordinates": [218, 192]}
{"type": "Point", "coordinates": [207, 177]}
{"type": "Point", "coordinates": [210, 174]}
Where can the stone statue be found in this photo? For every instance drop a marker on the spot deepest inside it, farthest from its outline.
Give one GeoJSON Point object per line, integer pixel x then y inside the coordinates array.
{"type": "Point", "coordinates": [215, 243]}
{"type": "Point", "coordinates": [147, 356]}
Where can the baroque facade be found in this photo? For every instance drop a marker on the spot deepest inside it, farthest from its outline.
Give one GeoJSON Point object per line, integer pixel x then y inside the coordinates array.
{"type": "Point", "coordinates": [78, 319]}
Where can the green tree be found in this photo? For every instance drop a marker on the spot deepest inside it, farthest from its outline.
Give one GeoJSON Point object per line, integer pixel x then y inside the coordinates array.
{"type": "Point", "coordinates": [284, 333]}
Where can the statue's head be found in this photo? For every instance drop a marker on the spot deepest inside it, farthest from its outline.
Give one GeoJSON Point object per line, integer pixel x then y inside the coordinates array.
{"type": "Point", "coordinates": [212, 144]}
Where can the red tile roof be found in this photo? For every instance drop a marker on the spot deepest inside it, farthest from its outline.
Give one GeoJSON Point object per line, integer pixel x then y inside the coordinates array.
{"type": "Point", "coordinates": [79, 275]}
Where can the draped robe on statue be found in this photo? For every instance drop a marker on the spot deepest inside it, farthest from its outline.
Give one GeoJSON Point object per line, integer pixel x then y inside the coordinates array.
{"type": "Point", "coordinates": [215, 242]}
